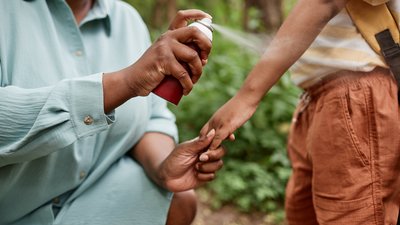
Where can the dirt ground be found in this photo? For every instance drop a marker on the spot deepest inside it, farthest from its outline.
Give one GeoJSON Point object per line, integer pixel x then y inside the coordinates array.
{"type": "Point", "coordinates": [228, 215]}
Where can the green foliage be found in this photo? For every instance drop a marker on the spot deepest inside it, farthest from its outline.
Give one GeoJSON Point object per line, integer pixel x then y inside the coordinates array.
{"type": "Point", "coordinates": [256, 165]}
{"type": "Point", "coordinates": [227, 12]}
{"type": "Point", "coordinates": [288, 6]}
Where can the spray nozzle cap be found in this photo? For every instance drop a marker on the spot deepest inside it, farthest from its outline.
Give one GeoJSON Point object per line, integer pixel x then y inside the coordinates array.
{"type": "Point", "coordinates": [204, 25]}
{"type": "Point", "coordinates": [207, 23]}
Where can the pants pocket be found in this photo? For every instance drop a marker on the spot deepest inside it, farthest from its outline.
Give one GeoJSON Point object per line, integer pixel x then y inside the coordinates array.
{"type": "Point", "coordinates": [356, 116]}
{"type": "Point", "coordinates": [352, 212]}
{"type": "Point", "coordinates": [340, 152]}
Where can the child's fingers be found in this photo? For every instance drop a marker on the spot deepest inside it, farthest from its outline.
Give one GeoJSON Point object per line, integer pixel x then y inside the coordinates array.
{"type": "Point", "coordinates": [218, 138]}
{"type": "Point", "coordinates": [203, 132]}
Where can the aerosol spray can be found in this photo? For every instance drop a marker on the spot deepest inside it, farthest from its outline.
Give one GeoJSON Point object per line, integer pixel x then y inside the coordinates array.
{"type": "Point", "coordinates": [170, 89]}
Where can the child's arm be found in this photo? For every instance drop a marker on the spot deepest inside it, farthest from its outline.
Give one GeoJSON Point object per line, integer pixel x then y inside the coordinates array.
{"type": "Point", "coordinates": [293, 38]}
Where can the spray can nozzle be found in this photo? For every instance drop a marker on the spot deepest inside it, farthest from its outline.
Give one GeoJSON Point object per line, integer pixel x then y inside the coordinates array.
{"type": "Point", "coordinates": [206, 22]}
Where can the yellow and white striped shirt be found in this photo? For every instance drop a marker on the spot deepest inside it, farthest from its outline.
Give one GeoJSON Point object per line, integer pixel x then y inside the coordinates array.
{"type": "Point", "coordinates": [338, 47]}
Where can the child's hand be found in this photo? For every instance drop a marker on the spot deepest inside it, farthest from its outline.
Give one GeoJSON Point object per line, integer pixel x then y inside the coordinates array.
{"type": "Point", "coordinates": [227, 119]}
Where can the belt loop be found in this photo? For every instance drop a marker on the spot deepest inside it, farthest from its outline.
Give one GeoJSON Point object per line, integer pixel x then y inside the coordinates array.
{"type": "Point", "coordinates": [304, 102]}
{"type": "Point", "coordinates": [305, 99]}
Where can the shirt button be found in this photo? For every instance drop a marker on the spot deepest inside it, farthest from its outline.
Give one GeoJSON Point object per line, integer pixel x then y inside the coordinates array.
{"type": "Point", "coordinates": [56, 200]}
{"type": "Point", "coordinates": [88, 120]}
{"type": "Point", "coordinates": [82, 175]}
{"type": "Point", "coordinates": [78, 53]}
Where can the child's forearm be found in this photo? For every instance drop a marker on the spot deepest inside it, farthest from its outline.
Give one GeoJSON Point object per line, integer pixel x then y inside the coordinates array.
{"type": "Point", "coordinates": [296, 34]}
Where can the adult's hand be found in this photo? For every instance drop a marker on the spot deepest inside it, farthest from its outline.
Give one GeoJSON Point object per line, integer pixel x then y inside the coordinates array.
{"type": "Point", "coordinates": [164, 58]}
{"type": "Point", "coordinates": [188, 166]}
{"type": "Point", "coordinates": [182, 18]}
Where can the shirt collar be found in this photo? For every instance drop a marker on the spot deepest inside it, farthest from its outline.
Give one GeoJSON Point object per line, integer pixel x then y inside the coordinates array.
{"type": "Point", "coordinates": [100, 11]}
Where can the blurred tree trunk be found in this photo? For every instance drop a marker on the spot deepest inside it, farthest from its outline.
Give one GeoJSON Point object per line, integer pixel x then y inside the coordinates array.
{"type": "Point", "coordinates": [271, 13]}
{"type": "Point", "coordinates": [163, 10]}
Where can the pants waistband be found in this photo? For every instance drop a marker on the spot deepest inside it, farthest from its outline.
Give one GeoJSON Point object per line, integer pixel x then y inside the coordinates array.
{"type": "Point", "coordinates": [345, 78]}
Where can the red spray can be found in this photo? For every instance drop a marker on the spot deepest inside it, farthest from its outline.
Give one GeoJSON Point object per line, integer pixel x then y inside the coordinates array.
{"type": "Point", "coordinates": [170, 89]}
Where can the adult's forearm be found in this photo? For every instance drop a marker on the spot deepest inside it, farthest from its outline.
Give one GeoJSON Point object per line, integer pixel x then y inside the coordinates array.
{"type": "Point", "coordinates": [151, 151]}
{"type": "Point", "coordinates": [56, 116]}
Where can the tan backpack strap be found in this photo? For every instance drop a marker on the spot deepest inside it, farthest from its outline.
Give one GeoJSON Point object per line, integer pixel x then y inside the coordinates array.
{"type": "Point", "coordinates": [371, 20]}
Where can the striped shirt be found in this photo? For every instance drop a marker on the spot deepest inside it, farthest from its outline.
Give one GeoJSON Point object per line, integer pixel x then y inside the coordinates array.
{"type": "Point", "coordinates": [339, 46]}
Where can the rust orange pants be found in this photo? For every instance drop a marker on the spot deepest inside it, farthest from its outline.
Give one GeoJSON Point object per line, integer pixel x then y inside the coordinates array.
{"type": "Point", "coordinates": [344, 146]}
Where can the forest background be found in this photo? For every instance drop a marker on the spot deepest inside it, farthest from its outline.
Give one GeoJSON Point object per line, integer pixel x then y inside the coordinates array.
{"type": "Point", "coordinates": [250, 188]}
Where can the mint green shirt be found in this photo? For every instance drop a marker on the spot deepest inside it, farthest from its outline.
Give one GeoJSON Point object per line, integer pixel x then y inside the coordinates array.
{"type": "Point", "coordinates": [62, 160]}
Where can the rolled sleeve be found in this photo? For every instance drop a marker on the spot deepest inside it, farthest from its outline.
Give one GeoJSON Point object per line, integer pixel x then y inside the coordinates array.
{"type": "Point", "coordinates": [37, 122]}
{"type": "Point", "coordinates": [87, 105]}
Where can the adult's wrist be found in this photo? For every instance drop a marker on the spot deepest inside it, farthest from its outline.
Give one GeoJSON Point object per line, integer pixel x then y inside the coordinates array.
{"type": "Point", "coordinates": [115, 90]}
{"type": "Point", "coordinates": [161, 177]}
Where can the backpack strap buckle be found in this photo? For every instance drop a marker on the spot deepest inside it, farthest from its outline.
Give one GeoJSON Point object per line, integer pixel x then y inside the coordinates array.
{"type": "Point", "coordinates": [391, 52]}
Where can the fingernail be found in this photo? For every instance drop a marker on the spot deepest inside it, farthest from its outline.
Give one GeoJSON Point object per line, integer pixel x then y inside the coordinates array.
{"type": "Point", "coordinates": [211, 133]}
{"type": "Point", "coordinates": [203, 157]}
